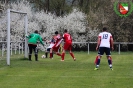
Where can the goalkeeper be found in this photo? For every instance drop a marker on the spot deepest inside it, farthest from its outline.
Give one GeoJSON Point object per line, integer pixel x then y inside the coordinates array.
{"type": "Point", "coordinates": [32, 44]}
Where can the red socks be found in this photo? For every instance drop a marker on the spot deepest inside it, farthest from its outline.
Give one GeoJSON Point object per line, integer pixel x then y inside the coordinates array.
{"type": "Point", "coordinates": [96, 60]}
{"type": "Point", "coordinates": [62, 56]}
{"type": "Point", "coordinates": [51, 55]}
{"type": "Point", "coordinates": [72, 55]}
{"type": "Point", "coordinates": [58, 54]}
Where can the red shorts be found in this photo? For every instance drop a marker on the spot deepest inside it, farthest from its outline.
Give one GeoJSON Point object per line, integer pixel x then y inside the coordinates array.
{"type": "Point", "coordinates": [67, 46]}
{"type": "Point", "coordinates": [56, 47]}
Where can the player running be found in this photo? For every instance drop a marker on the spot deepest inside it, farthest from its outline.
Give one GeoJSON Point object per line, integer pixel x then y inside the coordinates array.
{"type": "Point", "coordinates": [55, 48]}
{"type": "Point", "coordinates": [67, 45]}
{"type": "Point", "coordinates": [105, 40]}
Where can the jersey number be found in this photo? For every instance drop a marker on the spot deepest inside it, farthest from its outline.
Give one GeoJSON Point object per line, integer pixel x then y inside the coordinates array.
{"type": "Point", "coordinates": [105, 36]}
{"type": "Point", "coordinates": [68, 37]}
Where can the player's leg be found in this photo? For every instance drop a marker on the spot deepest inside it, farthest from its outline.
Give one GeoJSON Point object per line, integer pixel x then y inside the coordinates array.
{"type": "Point", "coordinates": [109, 57]}
{"type": "Point", "coordinates": [57, 53]}
{"type": "Point", "coordinates": [63, 52]}
{"type": "Point", "coordinates": [51, 53]}
{"type": "Point", "coordinates": [63, 55]}
{"type": "Point", "coordinates": [57, 47]}
{"type": "Point", "coordinates": [53, 49]}
{"type": "Point", "coordinates": [36, 52]}
{"type": "Point", "coordinates": [96, 59]}
{"type": "Point", "coordinates": [98, 62]}
{"type": "Point", "coordinates": [110, 62]}
{"type": "Point", "coordinates": [57, 50]}
{"type": "Point", "coordinates": [46, 53]}
{"type": "Point", "coordinates": [100, 53]}
{"type": "Point", "coordinates": [70, 51]}
{"type": "Point", "coordinates": [30, 51]}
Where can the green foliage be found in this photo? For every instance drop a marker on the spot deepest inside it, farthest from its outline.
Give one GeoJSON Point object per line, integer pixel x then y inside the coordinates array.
{"type": "Point", "coordinates": [52, 73]}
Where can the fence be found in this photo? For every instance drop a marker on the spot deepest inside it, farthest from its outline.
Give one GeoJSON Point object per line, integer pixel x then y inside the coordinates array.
{"type": "Point", "coordinates": [18, 47]}
{"type": "Point", "coordinates": [117, 46]}
{"type": "Point", "coordinates": [14, 46]}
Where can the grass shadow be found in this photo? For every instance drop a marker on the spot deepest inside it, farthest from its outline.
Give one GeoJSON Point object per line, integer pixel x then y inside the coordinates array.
{"type": "Point", "coordinates": [24, 59]}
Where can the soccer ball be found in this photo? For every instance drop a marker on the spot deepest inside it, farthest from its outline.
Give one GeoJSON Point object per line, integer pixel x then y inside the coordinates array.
{"type": "Point", "coordinates": [43, 56]}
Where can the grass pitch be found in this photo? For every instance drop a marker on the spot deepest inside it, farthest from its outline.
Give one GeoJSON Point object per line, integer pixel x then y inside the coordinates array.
{"type": "Point", "coordinates": [52, 73]}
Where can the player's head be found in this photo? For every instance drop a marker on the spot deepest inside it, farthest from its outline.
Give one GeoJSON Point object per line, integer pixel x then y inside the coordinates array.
{"type": "Point", "coordinates": [44, 39]}
{"type": "Point", "coordinates": [36, 31]}
{"type": "Point", "coordinates": [104, 29]}
{"type": "Point", "coordinates": [56, 32]}
{"type": "Point", "coordinates": [65, 30]}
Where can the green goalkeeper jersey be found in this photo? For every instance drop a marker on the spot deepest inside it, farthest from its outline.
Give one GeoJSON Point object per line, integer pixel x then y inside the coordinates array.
{"type": "Point", "coordinates": [33, 38]}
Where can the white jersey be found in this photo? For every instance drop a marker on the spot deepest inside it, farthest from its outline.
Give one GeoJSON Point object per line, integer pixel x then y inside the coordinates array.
{"type": "Point", "coordinates": [51, 45]}
{"type": "Point", "coordinates": [52, 42]}
{"type": "Point", "coordinates": [105, 39]}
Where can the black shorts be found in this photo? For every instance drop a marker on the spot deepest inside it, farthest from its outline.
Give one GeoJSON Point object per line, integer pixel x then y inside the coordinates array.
{"type": "Point", "coordinates": [48, 49]}
{"type": "Point", "coordinates": [32, 47]}
{"type": "Point", "coordinates": [103, 50]}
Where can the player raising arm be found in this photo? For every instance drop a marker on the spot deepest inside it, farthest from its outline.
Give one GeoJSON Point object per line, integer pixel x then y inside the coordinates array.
{"type": "Point", "coordinates": [105, 40]}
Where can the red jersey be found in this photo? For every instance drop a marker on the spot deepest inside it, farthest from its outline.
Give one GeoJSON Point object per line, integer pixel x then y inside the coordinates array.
{"type": "Point", "coordinates": [67, 38]}
{"type": "Point", "coordinates": [57, 38]}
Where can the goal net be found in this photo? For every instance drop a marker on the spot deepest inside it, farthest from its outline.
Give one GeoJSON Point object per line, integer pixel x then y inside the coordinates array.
{"type": "Point", "coordinates": [12, 35]}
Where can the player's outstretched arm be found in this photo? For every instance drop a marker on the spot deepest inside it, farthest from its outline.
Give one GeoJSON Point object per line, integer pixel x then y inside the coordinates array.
{"type": "Point", "coordinates": [40, 39]}
{"type": "Point", "coordinates": [28, 36]}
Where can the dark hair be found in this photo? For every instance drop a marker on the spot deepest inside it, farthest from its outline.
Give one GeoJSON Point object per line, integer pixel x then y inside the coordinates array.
{"type": "Point", "coordinates": [56, 32]}
{"type": "Point", "coordinates": [36, 31]}
{"type": "Point", "coordinates": [104, 29]}
{"type": "Point", "coordinates": [65, 30]}
{"type": "Point", "coordinates": [44, 39]}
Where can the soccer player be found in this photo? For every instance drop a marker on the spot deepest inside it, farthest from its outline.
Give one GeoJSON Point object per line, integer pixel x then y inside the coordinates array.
{"type": "Point", "coordinates": [32, 43]}
{"type": "Point", "coordinates": [55, 48]}
{"type": "Point", "coordinates": [67, 45]}
{"type": "Point", "coordinates": [52, 42]}
{"type": "Point", "coordinates": [104, 42]}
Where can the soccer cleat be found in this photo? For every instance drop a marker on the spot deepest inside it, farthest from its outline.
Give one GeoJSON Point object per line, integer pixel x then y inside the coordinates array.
{"type": "Point", "coordinates": [61, 60]}
{"type": "Point", "coordinates": [51, 58]}
{"type": "Point", "coordinates": [95, 68]}
{"type": "Point", "coordinates": [74, 59]}
{"type": "Point", "coordinates": [111, 68]}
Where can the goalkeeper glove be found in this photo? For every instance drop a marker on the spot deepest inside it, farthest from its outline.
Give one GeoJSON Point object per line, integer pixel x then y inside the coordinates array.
{"type": "Point", "coordinates": [26, 35]}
